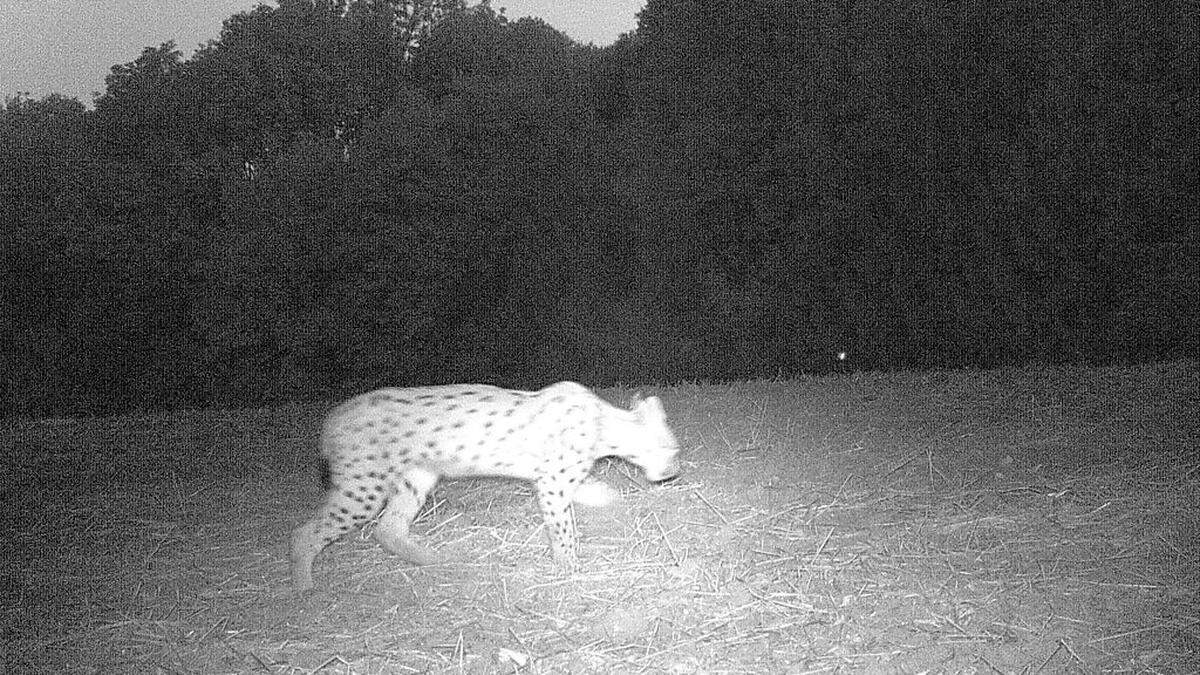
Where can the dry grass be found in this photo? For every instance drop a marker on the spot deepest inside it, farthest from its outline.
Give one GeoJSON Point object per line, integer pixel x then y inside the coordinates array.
{"type": "Point", "coordinates": [1015, 521]}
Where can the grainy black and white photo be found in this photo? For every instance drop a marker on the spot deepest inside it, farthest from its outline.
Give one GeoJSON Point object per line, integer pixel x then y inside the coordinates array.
{"type": "Point", "coordinates": [564, 336]}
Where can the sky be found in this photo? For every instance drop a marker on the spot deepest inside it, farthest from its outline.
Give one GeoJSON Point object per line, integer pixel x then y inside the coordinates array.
{"type": "Point", "coordinates": [68, 46]}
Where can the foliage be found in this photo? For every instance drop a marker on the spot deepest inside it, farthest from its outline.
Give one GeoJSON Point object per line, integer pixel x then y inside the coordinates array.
{"type": "Point", "coordinates": [337, 194]}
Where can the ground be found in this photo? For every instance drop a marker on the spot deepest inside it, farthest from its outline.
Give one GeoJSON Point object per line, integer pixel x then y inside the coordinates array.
{"type": "Point", "coordinates": [1013, 521]}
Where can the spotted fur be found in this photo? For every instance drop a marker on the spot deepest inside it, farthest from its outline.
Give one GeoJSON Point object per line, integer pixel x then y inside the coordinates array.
{"type": "Point", "coordinates": [388, 448]}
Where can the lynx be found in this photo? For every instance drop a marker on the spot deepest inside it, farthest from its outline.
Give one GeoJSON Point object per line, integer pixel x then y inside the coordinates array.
{"type": "Point", "coordinates": [387, 449]}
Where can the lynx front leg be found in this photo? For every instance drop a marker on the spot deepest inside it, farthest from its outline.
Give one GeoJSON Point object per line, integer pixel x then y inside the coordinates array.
{"type": "Point", "coordinates": [555, 492]}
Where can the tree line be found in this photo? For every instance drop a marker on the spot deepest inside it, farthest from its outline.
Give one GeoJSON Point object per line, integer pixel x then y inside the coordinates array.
{"type": "Point", "coordinates": [338, 194]}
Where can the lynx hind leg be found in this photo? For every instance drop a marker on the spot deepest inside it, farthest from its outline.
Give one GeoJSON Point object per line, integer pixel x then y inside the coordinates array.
{"type": "Point", "coordinates": [392, 529]}
{"type": "Point", "coordinates": [346, 508]}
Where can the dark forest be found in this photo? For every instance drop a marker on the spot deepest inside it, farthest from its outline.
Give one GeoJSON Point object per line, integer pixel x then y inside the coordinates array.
{"type": "Point", "coordinates": [339, 194]}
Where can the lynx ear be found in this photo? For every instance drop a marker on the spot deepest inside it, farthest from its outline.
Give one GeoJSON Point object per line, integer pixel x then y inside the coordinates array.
{"type": "Point", "coordinates": [655, 404]}
{"type": "Point", "coordinates": [647, 408]}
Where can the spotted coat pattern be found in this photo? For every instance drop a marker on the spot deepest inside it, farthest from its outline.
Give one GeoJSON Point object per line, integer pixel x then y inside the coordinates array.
{"type": "Point", "coordinates": [388, 448]}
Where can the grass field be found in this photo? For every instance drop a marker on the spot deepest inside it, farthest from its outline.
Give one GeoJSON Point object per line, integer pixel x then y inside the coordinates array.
{"type": "Point", "coordinates": [1012, 521]}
